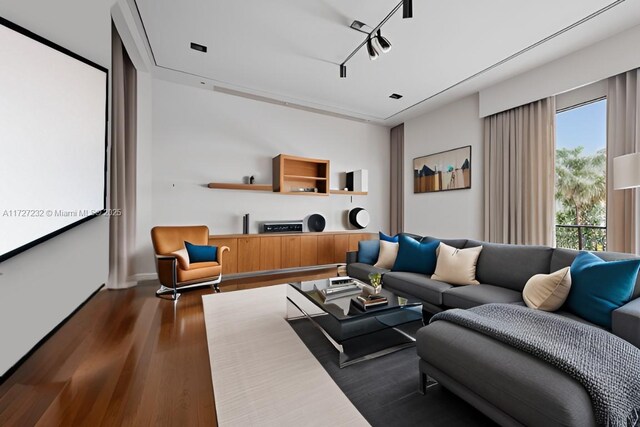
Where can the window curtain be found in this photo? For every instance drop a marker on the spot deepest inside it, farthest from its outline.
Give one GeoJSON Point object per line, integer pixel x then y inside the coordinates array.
{"type": "Point", "coordinates": [122, 198]}
{"type": "Point", "coordinates": [397, 179]}
{"type": "Point", "coordinates": [623, 137]}
{"type": "Point", "coordinates": [519, 171]}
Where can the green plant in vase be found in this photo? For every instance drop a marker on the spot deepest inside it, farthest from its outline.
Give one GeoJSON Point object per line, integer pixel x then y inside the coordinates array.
{"type": "Point", "coordinates": [376, 282]}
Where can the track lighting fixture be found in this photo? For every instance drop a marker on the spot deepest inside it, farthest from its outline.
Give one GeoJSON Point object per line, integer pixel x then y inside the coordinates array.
{"type": "Point", "coordinates": [373, 53]}
{"type": "Point", "coordinates": [407, 9]}
{"type": "Point", "coordinates": [383, 44]}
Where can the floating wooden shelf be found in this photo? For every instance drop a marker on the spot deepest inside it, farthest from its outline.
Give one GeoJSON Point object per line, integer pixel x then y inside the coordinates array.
{"type": "Point", "coordinates": [247, 187]}
{"type": "Point", "coordinates": [292, 172]}
{"type": "Point", "coordinates": [352, 193]}
{"type": "Point", "coordinates": [310, 178]}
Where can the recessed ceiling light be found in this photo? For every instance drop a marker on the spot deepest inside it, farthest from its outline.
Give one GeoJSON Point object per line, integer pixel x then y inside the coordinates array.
{"type": "Point", "coordinates": [198, 47]}
{"type": "Point", "coordinates": [395, 96]}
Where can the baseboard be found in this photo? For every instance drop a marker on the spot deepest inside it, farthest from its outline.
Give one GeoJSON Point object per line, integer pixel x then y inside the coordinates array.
{"type": "Point", "coordinates": [143, 276]}
{"type": "Point", "coordinates": [39, 344]}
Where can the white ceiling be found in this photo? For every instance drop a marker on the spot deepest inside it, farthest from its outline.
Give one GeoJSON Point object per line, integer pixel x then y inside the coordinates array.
{"type": "Point", "coordinates": [289, 50]}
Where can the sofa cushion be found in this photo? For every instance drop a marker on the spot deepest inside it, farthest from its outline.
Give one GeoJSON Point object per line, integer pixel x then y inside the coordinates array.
{"type": "Point", "coordinates": [457, 266]}
{"type": "Point", "coordinates": [416, 257]}
{"type": "Point", "coordinates": [599, 287]}
{"type": "Point", "coordinates": [416, 285]}
{"type": "Point", "coordinates": [510, 266]}
{"type": "Point", "coordinates": [456, 243]}
{"type": "Point", "coordinates": [564, 257]}
{"type": "Point", "coordinates": [361, 271]}
{"type": "Point", "coordinates": [388, 254]}
{"type": "Point", "coordinates": [384, 238]}
{"type": "Point", "coordinates": [526, 388]}
{"type": "Point", "coordinates": [368, 251]}
{"type": "Point", "coordinates": [471, 296]}
{"type": "Point", "coordinates": [547, 292]}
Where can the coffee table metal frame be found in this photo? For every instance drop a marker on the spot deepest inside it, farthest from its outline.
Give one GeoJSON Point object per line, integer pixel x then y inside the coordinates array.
{"type": "Point", "coordinates": [295, 311]}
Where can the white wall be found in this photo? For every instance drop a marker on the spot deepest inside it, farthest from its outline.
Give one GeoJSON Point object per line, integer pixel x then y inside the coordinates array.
{"type": "Point", "coordinates": [447, 214]}
{"type": "Point", "coordinates": [43, 285]}
{"type": "Point", "coordinates": [599, 61]}
{"type": "Point", "coordinates": [200, 136]}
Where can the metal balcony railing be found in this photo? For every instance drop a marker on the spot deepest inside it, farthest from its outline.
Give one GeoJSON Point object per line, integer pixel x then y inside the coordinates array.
{"type": "Point", "coordinates": [587, 237]}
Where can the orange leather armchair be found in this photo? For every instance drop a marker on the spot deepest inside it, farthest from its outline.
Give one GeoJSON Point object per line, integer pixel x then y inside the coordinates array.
{"type": "Point", "coordinates": [172, 261]}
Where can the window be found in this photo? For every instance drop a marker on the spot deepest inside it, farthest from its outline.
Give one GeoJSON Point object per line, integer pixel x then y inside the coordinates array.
{"type": "Point", "coordinates": [581, 187]}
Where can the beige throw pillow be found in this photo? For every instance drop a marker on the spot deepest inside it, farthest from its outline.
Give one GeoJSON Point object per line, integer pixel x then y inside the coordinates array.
{"type": "Point", "coordinates": [457, 266]}
{"type": "Point", "coordinates": [547, 292]}
{"type": "Point", "coordinates": [183, 258]}
{"type": "Point", "coordinates": [387, 255]}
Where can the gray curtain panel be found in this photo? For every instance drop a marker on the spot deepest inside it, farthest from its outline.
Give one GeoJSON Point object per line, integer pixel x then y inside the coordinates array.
{"type": "Point", "coordinates": [623, 135]}
{"type": "Point", "coordinates": [122, 196]}
{"type": "Point", "coordinates": [397, 180]}
{"type": "Point", "coordinates": [519, 171]}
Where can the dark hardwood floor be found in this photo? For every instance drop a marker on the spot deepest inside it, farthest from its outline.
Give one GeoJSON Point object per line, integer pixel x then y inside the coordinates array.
{"type": "Point", "coordinates": [125, 358]}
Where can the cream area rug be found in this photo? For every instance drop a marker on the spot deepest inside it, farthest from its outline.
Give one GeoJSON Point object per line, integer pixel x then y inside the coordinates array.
{"type": "Point", "coordinates": [263, 375]}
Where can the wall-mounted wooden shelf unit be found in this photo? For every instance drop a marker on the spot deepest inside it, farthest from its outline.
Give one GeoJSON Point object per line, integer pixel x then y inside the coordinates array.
{"type": "Point", "coordinates": [349, 193]}
{"type": "Point", "coordinates": [249, 187]}
{"type": "Point", "coordinates": [291, 173]}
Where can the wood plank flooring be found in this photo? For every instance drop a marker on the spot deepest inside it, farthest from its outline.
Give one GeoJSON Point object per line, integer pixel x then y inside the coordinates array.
{"type": "Point", "coordinates": [125, 358]}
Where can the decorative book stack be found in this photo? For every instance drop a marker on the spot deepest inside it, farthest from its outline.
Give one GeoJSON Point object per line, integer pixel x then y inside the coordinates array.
{"type": "Point", "coordinates": [367, 301]}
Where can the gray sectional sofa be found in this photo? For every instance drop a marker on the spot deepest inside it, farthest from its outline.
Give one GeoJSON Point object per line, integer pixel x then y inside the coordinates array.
{"type": "Point", "coordinates": [508, 385]}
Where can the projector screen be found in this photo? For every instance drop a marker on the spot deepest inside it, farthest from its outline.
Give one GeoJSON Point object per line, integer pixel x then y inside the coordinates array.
{"type": "Point", "coordinates": [53, 129]}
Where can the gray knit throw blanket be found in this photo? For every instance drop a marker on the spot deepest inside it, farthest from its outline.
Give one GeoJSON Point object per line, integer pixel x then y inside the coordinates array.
{"type": "Point", "coordinates": [608, 367]}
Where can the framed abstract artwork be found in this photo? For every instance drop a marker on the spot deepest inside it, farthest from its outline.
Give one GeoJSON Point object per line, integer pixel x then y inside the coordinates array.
{"type": "Point", "coordinates": [445, 171]}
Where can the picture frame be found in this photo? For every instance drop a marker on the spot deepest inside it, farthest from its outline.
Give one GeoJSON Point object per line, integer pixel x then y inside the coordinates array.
{"type": "Point", "coordinates": [443, 171]}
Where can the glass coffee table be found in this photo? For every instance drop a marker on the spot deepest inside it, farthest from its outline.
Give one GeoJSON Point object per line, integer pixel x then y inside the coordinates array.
{"type": "Point", "coordinates": [356, 333]}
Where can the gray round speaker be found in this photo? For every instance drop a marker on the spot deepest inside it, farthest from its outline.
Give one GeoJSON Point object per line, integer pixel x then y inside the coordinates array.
{"type": "Point", "coordinates": [316, 223]}
{"type": "Point", "coordinates": [359, 217]}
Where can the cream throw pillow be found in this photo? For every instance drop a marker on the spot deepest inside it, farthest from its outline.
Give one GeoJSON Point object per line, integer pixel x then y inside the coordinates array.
{"type": "Point", "coordinates": [183, 258]}
{"type": "Point", "coordinates": [457, 266]}
{"type": "Point", "coordinates": [547, 292]}
{"type": "Point", "coordinates": [387, 255]}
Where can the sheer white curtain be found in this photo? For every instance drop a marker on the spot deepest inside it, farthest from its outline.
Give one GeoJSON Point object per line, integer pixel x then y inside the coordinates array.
{"type": "Point", "coordinates": [519, 172]}
{"type": "Point", "coordinates": [122, 198]}
{"type": "Point", "coordinates": [397, 180]}
{"type": "Point", "coordinates": [623, 137]}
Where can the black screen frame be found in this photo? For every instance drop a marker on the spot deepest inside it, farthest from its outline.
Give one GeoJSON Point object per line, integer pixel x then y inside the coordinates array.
{"type": "Point", "coordinates": [23, 31]}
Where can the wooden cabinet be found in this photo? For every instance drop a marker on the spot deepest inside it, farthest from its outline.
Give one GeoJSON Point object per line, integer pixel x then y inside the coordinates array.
{"type": "Point", "coordinates": [265, 252]}
{"type": "Point", "coordinates": [230, 258]}
{"type": "Point", "coordinates": [248, 254]}
{"type": "Point", "coordinates": [270, 253]}
{"type": "Point", "coordinates": [340, 248]}
{"type": "Point", "coordinates": [291, 251]}
{"type": "Point", "coordinates": [292, 173]}
{"type": "Point", "coordinates": [326, 253]}
{"type": "Point", "coordinates": [308, 251]}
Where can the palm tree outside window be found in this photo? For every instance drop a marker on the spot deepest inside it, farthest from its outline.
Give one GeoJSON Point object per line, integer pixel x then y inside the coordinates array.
{"type": "Point", "coordinates": [581, 188]}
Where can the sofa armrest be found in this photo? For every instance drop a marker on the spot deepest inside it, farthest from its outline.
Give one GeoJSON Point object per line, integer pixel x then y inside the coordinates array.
{"type": "Point", "coordinates": [352, 257]}
{"type": "Point", "coordinates": [626, 322]}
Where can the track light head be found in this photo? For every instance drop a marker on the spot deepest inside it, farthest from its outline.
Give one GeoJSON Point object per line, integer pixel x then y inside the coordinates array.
{"type": "Point", "coordinates": [407, 9]}
{"type": "Point", "coordinates": [343, 71]}
{"type": "Point", "coordinates": [383, 42]}
{"type": "Point", "coordinates": [373, 53]}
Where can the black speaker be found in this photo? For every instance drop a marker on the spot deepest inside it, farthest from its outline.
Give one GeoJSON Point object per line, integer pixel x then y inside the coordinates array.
{"type": "Point", "coordinates": [316, 223]}
{"type": "Point", "coordinates": [359, 217]}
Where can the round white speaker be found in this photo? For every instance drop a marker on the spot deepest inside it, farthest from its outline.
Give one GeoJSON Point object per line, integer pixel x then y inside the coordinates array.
{"type": "Point", "coordinates": [359, 217]}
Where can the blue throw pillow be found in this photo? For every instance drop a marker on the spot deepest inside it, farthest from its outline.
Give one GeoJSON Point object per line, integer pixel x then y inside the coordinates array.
{"type": "Point", "coordinates": [368, 251]}
{"type": "Point", "coordinates": [198, 253]}
{"type": "Point", "coordinates": [416, 257]}
{"type": "Point", "coordinates": [386, 238]}
{"type": "Point", "coordinates": [598, 287]}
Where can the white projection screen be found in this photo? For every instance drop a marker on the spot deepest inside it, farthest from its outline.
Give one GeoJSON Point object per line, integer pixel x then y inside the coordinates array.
{"type": "Point", "coordinates": [53, 124]}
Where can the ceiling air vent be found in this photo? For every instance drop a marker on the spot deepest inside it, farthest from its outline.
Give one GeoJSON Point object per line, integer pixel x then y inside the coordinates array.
{"type": "Point", "coordinates": [198, 47]}
{"type": "Point", "coordinates": [395, 96]}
